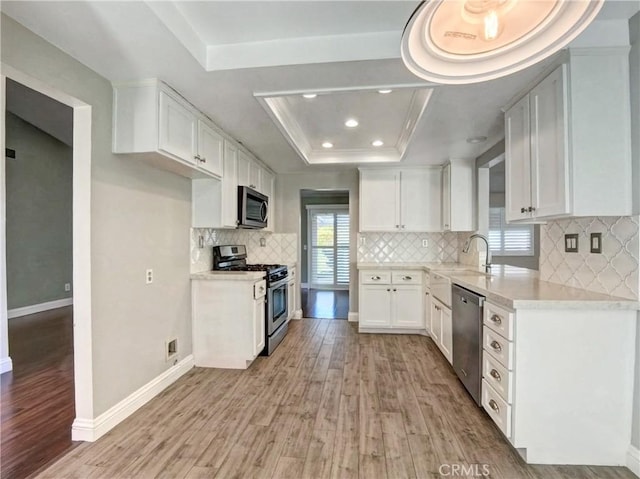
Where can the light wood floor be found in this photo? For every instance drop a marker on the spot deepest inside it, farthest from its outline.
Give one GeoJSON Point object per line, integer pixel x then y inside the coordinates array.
{"type": "Point", "coordinates": [328, 403]}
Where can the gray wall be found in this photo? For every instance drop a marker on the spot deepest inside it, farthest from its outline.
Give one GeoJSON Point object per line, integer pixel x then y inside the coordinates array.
{"type": "Point", "coordinates": [140, 218]}
{"type": "Point", "coordinates": [288, 187]}
{"type": "Point", "coordinates": [634, 64]}
{"type": "Point", "coordinates": [314, 198]}
{"type": "Point", "coordinates": [39, 193]}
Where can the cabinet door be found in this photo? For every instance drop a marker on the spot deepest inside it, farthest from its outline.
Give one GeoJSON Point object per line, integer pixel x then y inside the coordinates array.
{"type": "Point", "coordinates": [177, 129]}
{"type": "Point", "coordinates": [446, 340]}
{"type": "Point", "coordinates": [230, 186]}
{"type": "Point", "coordinates": [291, 301]}
{"type": "Point", "coordinates": [379, 200]}
{"type": "Point", "coordinates": [407, 307]}
{"type": "Point", "coordinates": [420, 200]}
{"type": "Point", "coordinates": [446, 198]}
{"type": "Point", "coordinates": [210, 149]}
{"type": "Point", "coordinates": [258, 325]}
{"type": "Point", "coordinates": [435, 328]}
{"type": "Point", "coordinates": [375, 306]}
{"type": "Point", "coordinates": [255, 176]}
{"type": "Point", "coordinates": [549, 155]}
{"type": "Point", "coordinates": [267, 189]}
{"type": "Point", "coordinates": [517, 161]}
{"type": "Point", "coordinates": [427, 311]}
{"type": "Point", "coordinates": [244, 167]}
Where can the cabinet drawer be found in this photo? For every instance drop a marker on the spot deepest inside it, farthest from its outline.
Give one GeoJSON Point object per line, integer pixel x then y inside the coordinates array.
{"type": "Point", "coordinates": [497, 408]}
{"type": "Point", "coordinates": [498, 377]}
{"type": "Point", "coordinates": [259, 289]}
{"type": "Point", "coordinates": [498, 347]}
{"type": "Point", "coordinates": [375, 277]}
{"type": "Point", "coordinates": [406, 277]}
{"type": "Point", "coordinates": [499, 319]}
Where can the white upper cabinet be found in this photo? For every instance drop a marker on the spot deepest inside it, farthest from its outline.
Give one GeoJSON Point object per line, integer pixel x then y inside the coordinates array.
{"type": "Point", "coordinates": [458, 195]}
{"type": "Point", "coordinates": [229, 197]}
{"type": "Point", "coordinates": [568, 150]}
{"type": "Point", "coordinates": [210, 150]}
{"type": "Point", "coordinates": [177, 123]}
{"type": "Point", "coordinates": [154, 123]}
{"type": "Point", "coordinates": [400, 200]}
{"type": "Point", "coordinates": [249, 172]}
{"type": "Point", "coordinates": [379, 200]}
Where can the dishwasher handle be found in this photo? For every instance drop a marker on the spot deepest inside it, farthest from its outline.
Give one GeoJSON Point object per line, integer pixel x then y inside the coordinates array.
{"type": "Point", "coordinates": [466, 296]}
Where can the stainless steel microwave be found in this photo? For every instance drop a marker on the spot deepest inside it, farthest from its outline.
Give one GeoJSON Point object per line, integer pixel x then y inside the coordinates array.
{"type": "Point", "coordinates": [253, 208]}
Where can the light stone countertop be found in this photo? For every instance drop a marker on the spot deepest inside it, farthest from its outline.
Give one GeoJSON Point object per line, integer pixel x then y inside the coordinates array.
{"type": "Point", "coordinates": [515, 288]}
{"type": "Point", "coordinates": [229, 275]}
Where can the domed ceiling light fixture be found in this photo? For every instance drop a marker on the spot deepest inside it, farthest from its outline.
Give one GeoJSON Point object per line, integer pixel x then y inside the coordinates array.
{"type": "Point", "coordinates": [470, 41]}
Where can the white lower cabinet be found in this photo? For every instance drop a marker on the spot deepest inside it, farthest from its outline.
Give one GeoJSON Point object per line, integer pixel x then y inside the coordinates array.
{"type": "Point", "coordinates": [291, 293]}
{"type": "Point", "coordinates": [391, 300]}
{"type": "Point", "coordinates": [548, 374]}
{"type": "Point", "coordinates": [442, 328]}
{"type": "Point", "coordinates": [228, 319]}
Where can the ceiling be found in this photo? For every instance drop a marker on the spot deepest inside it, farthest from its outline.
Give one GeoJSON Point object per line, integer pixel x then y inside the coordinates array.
{"type": "Point", "coordinates": [223, 56]}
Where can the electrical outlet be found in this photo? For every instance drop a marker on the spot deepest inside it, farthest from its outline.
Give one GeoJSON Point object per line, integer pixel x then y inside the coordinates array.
{"type": "Point", "coordinates": [67, 286]}
{"type": "Point", "coordinates": [425, 243]}
{"type": "Point", "coordinates": [149, 276]}
{"type": "Point", "coordinates": [200, 241]}
{"type": "Point", "coordinates": [596, 242]}
{"type": "Point", "coordinates": [363, 241]}
{"type": "Point", "coordinates": [571, 243]}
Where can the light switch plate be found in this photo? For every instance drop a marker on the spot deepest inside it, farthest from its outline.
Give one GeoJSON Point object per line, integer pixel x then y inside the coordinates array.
{"type": "Point", "coordinates": [596, 242]}
{"type": "Point", "coordinates": [571, 243]}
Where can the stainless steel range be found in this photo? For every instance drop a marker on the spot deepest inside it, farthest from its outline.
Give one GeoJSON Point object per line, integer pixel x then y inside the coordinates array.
{"type": "Point", "coordinates": [234, 258]}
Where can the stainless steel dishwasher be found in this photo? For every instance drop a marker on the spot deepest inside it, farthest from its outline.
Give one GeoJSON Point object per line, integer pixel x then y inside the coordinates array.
{"type": "Point", "coordinates": [467, 339]}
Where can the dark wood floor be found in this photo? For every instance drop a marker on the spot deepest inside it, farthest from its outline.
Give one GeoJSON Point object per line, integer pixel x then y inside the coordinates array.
{"type": "Point", "coordinates": [325, 304]}
{"type": "Point", "coordinates": [37, 398]}
{"type": "Point", "coordinates": [329, 403]}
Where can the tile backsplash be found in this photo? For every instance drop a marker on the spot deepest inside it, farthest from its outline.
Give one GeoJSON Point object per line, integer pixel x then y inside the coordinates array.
{"type": "Point", "coordinates": [407, 247]}
{"type": "Point", "coordinates": [279, 248]}
{"type": "Point", "coordinates": [614, 271]}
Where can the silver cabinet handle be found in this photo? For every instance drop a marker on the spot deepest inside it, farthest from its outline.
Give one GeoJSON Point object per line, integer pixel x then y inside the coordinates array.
{"type": "Point", "coordinates": [395, 289]}
{"type": "Point", "coordinates": [496, 345]}
{"type": "Point", "coordinates": [531, 209]}
{"type": "Point", "coordinates": [261, 288]}
{"type": "Point", "coordinates": [495, 375]}
{"type": "Point", "coordinates": [426, 294]}
{"type": "Point", "coordinates": [407, 278]}
{"type": "Point", "coordinates": [496, 319]}
{"type": "Point", "coordinates": [523, 210]}
{"type": "Point", "coordinates": [397, 226]}
{"type": "Point", "coordinates": [376, 278]}
{"type": "Point", "coordinates": [494, 405]}
{"type": "Point", "coordinates": [388, 290]}
{"type": "Point", "coordinates": [203, 159]}
{"type": "Point", "coordinates": [197, 157]}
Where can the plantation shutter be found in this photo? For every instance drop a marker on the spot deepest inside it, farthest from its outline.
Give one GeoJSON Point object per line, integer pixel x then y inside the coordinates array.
{"type": "Point", "coordinates": [509, 239]}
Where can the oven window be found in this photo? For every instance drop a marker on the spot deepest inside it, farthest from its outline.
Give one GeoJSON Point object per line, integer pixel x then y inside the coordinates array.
{"type": "Point", "coordinates": [279, 302]}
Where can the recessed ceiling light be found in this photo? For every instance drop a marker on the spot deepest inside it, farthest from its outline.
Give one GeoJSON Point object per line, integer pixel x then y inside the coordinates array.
{"type": "Point", "coordinates": [309, 96]}
{"type": "Point", "coordinates": [384, 92]}
{"type": "Point", "coordinates": [351, 123]}
{"type": "Point", "coordinates": [473, 41]}
{"type": "Point", "coordinates": [377, 143]}
{"type": "Point", "coordinates": [327, 144]}
{"type": "Point", "coordinates": [476, 139]}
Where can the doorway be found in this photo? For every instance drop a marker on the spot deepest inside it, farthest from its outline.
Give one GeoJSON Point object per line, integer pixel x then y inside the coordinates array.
{"type": "Point", "coordinates": [325, 268]}
{"type": "Point", "coordinates": [68, 328]}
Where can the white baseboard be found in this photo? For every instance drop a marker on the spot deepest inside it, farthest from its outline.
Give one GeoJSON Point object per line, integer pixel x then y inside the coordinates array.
{"type": "Point", "coordinates": [6, 365]}
{"type": "Point", "coordinates": [92, 429]}
{"type": "Point", "coordinates": [353, 317]}
{"type": "Point", "coordinates": [38, 308]}
{"type": "Point", "coordinates": [633, 460]}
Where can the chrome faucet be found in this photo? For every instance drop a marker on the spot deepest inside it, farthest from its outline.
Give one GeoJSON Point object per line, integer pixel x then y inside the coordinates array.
{"type": "Point", "coordinates": [467, 245]}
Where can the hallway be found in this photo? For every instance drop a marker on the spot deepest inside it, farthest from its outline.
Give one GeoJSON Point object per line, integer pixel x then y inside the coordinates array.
{"type": "Point", "coordinates": [325, 304]}
{"type": "Point", "coordinates": [38, 395]}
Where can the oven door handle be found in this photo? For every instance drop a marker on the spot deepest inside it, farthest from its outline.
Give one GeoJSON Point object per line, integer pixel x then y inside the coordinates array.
{"type": "Point", "coordinates": [277, 284]}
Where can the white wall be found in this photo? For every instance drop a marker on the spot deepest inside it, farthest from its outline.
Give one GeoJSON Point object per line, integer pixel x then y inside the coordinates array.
{"type": "Point", "coordinates": [140, 218]}
{"type": "Point", "coordinates": [288, 188]}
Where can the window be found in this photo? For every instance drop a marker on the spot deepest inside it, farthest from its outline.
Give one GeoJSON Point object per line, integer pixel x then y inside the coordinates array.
{"type": "Point", "coordinates": [329, 252]}
{"type": "Point", "coordinates": [509, 239]}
